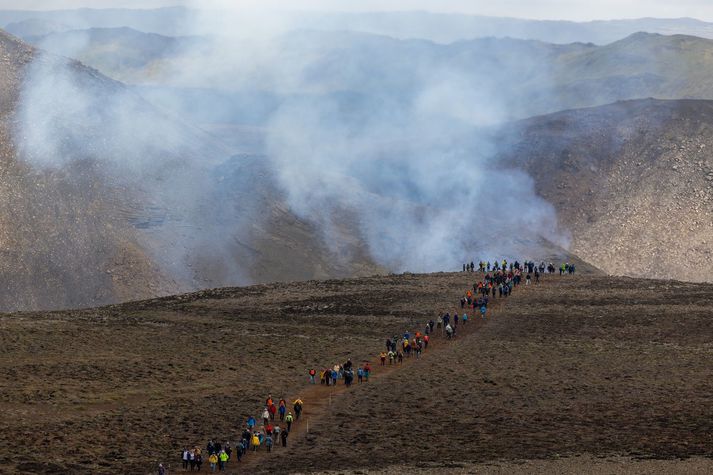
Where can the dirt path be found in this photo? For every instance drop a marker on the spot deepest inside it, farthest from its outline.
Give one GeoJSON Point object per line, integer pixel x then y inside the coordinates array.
{"type": "Point", "coordinates": [319, 398]}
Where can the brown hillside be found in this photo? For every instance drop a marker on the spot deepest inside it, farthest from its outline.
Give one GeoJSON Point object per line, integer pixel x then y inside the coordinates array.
{"type": "Point", "coordinates": [76, 236]}
{"type": "Point", "coordinates": [632, 182]}
{"type": "Point", "coordinates": [588, 366]}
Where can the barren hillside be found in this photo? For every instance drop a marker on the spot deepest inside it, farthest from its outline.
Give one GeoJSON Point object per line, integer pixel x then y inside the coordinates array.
{"type": "Point", "coordinates": [632, 182]}
{"type": "Point", "coordinates": [575, 366]}
{"type": "Point", "coordinates": [94, 221]}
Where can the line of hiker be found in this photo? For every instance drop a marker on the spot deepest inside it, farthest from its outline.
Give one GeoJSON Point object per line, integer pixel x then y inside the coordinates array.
{"type": "Point", "coordinates": [271, 434]}
{"type": "Point", "coordinates": [497, 281]}
{"type": "Point", "coordinates": [528, 267]}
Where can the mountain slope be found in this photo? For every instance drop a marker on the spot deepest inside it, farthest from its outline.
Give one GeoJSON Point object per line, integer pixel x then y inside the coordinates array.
{"type": "Point", "coordinates": [438, 27]}
{"type": "Point", "coordinates": [105, 198]}
{"type": "Point", "coordinates": [632, 182]}
{"type": "Point", "coordinates": [509, 79]}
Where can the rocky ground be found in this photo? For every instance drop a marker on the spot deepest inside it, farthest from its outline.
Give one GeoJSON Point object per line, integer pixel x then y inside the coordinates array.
{"type": "Point", "coordinates": [586, 366]}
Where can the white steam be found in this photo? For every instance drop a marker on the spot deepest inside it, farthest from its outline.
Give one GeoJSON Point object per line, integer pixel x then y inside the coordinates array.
{"type": "Point", "coordinates": [359, 137]}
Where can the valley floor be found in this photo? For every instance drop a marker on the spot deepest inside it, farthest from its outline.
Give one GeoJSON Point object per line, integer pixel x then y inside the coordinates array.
{"type": "Point", "coordinates": [564, 373]}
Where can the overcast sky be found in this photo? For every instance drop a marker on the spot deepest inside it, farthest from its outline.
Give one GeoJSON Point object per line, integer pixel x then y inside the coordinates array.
{"type": "Point", "coordinates": [543, 9]}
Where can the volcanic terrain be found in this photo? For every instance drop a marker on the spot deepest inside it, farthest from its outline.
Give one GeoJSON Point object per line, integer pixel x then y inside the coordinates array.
{"type": "Point", "coordinates": [575, 367]}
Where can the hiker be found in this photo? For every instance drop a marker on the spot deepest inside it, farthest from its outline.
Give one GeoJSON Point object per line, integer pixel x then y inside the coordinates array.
{"type": "Point", "coordinates": [382, 357]}
{"type": "Point", "coordinates": [400, 357]}
{"type": "Point", "coordinates": [367, 371]}
{"type": "Point", "coordinates": [268, 443]}
{"type": "Point", "coordinates": [284, 437]}
{"type": "Point", "coordinates": [360, 374]}
{"type": "Point", "coordinates": [449, 331]}
{"type": "Point", "coordinates": [465, 318]}
{"type": "Point", "coordinates": [483, 309]}
{"type": "Point", "coordinates": [277, 432]}
{"type": "Point", "coordinates": [297, 406]}
{"type": "Point", "coordinates": [251, 424]}
{"type": "Point", "coordinates": [185, 457]}
{"type": "Point", "coordinates": [392, 357]}
{"type": "Point", "coordinates": [312, 374]}
{"type": "Point", "coordinates": [272, 410]}
{"type": "Point", "coordinates": [192, 459]}
{"type": "Point", "coordinates": [255, 442]}
{"type": "Point", "coordinates": [222, 460]}
{"type": "Point", "coordinates": [528, 279]}
{"type": "Point", "coordinates": [199, 459]}
{"type": "Point", "coordinates": [240, 450]}
{"type": "Point", "coordinates": [289, 420]}
{"type": "Point", "coordinates": [161, 469]}
{"type": "Point", "coordinates": [265, 416]}
{"type": "Point", "coordinates": [425, 342]}
{"type": "Point", "coordinates": [335, 375]}
{"type": "Point", "coordinates": [282, 409]}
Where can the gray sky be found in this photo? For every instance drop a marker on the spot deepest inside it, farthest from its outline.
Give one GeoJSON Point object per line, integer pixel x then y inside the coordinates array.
{"type": "Point", "coordinates": [542, 9]}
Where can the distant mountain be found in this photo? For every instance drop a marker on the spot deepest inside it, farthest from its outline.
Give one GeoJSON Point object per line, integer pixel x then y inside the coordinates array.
{"type": "Point", "coordinates": [448, 28]}
{"type": "Point", "coordinates": [631, 181]}
{"type": "Point", "coordinates": [438, 27]}
{"type": "Point", "coordinates": [35, 27]}
{"type": "Point", "coordinates": [123, 53]}
{"type": "Point", "coordinates": [514, 78]}
{"type": "Point", "coordinates": [170, 21]}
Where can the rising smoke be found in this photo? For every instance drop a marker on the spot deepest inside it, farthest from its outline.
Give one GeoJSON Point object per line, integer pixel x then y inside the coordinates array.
{"type": "Point", "coordinates": [359, 136]}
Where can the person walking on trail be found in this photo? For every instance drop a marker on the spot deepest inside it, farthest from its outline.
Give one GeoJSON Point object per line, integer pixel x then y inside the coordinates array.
{"type": "Point", "coordinates": [465, 318]}
{"type": "Point", "coordinates": [185, 458]}
{"type": "Point", "coordinates": [425, 342]}
{"type": "Point", "coordinates": [367, 372]}
{"type": "Point", "coordinates": [251, 423]}
{"type": "Point", "coordinates": [312, 374]}
{"type": "Point", "coordinates": [283, 437]}
{"type": "Point", "coordinates": [400, 357]}
{"type": "Point", "coordinates": [265, 416]}
{"type": "Point", "coordinates": [268, 443]}
{"type": "Point", "coordinates": [392, 357]}
{"type": "Point", "coordinates": [272, 410]}
{"type": "Point", "coordinates": [360, 374]}
{"type": "Point", "coordinates": [449, 331]}
{"type": "Point", "coordinates": [382, 357]}
{"type": "Point", "coordinates": [282, 410]}
{"type": "Point", "coordinates": [528, 279]}
{"type": "Point", "coordinates": [255, 442]}
{"type": "Point", "coordinates": [161, 469]}
{"type": "Point", "coordinates": [213, 461]}
{"type": "Point", "coordinates": [289, 420]}
{"type": "Point", "coordinates": [483, 309]}
{"type": "Point", "coordinates": [276, 434]}
{"type": "Point", "coordinates": [297, 406]}
{"type": "Point", "coordinates": [348, 378]}
{"type": "Point", "coordinates": [335, 375]}
{"type": "Point", "coordinates": [222, 460]}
